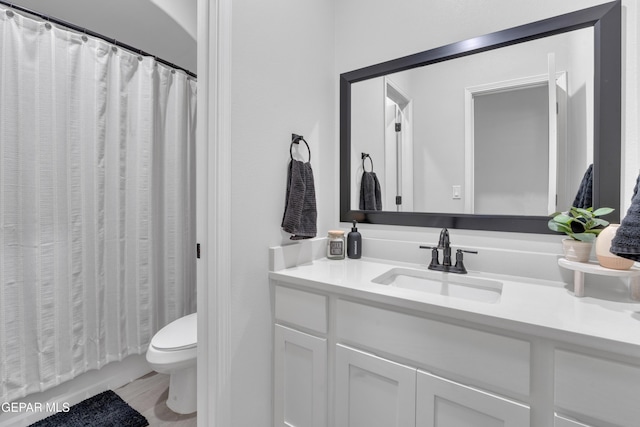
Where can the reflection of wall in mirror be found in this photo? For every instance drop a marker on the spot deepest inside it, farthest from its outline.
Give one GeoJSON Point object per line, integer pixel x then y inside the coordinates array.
{"type": "Point", "coordinates": [439, 129]}
{"type": "Point", "coordinates": [437, 92]}
{"type": "Point", "coordinates": [367, 132]}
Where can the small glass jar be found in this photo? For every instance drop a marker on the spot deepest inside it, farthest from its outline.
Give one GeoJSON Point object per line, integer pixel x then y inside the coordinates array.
{"type": "Point", "coordinates": [335, 244]}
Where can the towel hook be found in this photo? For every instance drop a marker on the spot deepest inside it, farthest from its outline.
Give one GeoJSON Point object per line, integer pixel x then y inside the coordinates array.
{"type": "Point", "coordinates": [295, 139]}
{"type": "Point", "coordinates": [364, 156]}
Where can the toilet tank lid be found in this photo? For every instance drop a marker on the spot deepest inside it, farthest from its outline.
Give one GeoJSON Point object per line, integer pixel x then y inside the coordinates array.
{"type": "Point", "coordinates": [180, 334]}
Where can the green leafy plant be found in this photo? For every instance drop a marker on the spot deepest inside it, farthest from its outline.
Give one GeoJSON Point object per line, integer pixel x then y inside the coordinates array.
{"type": "Point", "coordinates": [580, 224]}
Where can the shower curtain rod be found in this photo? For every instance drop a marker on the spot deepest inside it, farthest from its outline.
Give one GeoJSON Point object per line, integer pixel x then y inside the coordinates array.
{"type": "Point", "coordinates": [94, 34]}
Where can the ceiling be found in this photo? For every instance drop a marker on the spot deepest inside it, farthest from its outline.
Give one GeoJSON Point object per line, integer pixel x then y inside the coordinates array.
{"type": "Point", "coordinates": [163, 28]}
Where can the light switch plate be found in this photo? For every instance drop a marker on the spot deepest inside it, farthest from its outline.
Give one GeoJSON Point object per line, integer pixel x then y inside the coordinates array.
{"type": "Point", "coordinates": [457, 192]}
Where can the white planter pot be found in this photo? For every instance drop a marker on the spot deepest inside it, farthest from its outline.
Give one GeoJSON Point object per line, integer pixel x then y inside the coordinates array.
{"type": "Point", "coordinates": [576, 250]}
{"type": "Point", "coordinates": [603, 253]}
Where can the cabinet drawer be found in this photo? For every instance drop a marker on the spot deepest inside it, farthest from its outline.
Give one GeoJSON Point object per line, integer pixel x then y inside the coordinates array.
{"type": "Point", "coordinates": [301, 308]}
{"type": "Point", "coordinates": [491, 361]}
{"type": "Point", "coordinates": [601, 389]}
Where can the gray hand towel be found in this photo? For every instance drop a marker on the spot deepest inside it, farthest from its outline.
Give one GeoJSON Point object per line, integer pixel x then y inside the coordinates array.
{"type": "Point", "coordinates": [300, 214]}
{"type": "Point", "coordinates": [626, 242]}
{"type": "Point", "coordinates": [584, 197]}
{"type": "Point", "coordinates": [370, 194]}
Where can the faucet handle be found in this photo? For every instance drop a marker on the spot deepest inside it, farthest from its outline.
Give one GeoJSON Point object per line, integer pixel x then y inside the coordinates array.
{"type": "Point", "coordinates": [459, 267]}
{"type": "Point", "coordinates": [434, 255]}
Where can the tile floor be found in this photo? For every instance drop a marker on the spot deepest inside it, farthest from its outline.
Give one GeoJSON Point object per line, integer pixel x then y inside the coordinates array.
{"type": "Point", "coordinates": [148, 395]}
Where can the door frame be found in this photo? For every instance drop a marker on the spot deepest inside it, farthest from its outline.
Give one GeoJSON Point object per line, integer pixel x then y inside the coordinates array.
{"type": "Point", "coordinates": [502, 86]}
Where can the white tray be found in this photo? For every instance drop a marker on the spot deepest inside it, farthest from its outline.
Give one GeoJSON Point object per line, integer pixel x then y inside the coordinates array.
{"type": "Point", "coordinates": [592, 267]}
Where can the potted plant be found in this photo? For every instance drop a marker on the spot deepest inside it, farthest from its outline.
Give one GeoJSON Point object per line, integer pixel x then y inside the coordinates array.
{"type": "Point", "coordinates": [582, 226]}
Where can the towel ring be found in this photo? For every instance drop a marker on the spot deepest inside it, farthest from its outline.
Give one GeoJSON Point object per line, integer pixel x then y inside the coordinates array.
{"type": "Point", "coordinates": [295, 139]}
{"type": "Point", "coordinates": [364, 156]}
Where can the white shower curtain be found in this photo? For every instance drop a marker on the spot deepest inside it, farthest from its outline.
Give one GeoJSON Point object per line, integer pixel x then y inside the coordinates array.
{"type": "Point", "coordinates": [97, 212]}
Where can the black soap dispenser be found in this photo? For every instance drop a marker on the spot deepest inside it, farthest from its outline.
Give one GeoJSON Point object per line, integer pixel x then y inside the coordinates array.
{"type": "Point", "coordinates": [354, 243]}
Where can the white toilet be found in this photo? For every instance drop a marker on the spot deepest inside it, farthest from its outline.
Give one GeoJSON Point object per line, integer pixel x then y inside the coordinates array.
{"type": "Point", "coordinates": [173, 351]}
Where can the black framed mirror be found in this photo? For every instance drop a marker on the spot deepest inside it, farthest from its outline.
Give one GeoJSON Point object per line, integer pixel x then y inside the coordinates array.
{"type": "Point", "coordinates": [603, 22]}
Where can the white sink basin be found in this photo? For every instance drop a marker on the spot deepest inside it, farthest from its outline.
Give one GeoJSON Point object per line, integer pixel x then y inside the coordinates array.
{"type": "Point", "coordinates": [448, 284]}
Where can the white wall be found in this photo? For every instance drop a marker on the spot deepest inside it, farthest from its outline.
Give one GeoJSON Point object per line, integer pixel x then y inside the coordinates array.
{"type": "Point", "coordinates": [282, 82]}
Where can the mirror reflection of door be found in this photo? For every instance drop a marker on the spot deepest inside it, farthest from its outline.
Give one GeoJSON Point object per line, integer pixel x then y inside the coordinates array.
{"type": "Point", "coordinates": [398, 141]}
{"type": "Point", "coordinates": [509, 122]}
{"type": "Point", "coordinates": [507, 125]}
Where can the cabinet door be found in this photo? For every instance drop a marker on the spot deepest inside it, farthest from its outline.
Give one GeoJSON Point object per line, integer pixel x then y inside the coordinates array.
{"type": "Point", "coordinates": [444, 403]}
{"type": "Point", "coordinates": [559, 421]}
{"type": "Point", "coordinates": [595, 388]}
{"type": "Point", "coordinates": [300, 379]}
{"type": "Point", "coordinates": [373, 392]}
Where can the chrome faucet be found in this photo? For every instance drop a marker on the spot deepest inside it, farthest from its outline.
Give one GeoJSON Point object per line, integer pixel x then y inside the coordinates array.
{"type": "Point", "coordinates": [446, 266]}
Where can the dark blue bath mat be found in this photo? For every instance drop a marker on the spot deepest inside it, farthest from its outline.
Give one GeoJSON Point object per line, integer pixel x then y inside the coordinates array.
{"type": "Point", "coordinates": [104, 410]}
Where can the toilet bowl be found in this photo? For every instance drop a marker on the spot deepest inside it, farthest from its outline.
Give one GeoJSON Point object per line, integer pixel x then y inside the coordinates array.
{"type": "Point", "coordinates": [173, 351]}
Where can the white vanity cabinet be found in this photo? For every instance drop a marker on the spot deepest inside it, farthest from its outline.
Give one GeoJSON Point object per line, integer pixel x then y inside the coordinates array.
{"type": "Point", "coordinates": [300, 359]}
{"type": "Point", "coordinates": [346, 357]}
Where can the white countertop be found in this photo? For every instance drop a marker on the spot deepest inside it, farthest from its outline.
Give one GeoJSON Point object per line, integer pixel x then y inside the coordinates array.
{"type": "Point", "coordinates": [603, 318]}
